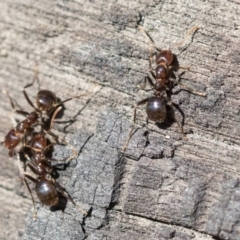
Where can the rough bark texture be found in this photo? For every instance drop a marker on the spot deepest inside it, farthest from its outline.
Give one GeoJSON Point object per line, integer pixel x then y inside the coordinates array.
{"type": "Point", "coordinates": [162, 187]}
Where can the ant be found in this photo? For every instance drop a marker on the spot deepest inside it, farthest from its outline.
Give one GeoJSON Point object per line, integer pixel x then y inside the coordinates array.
{"type": "Point", "coordinates": [156, 105]}
{"type": "Point", "coordinates": [46, 187]}
{"type": "Point", "coordinates": [47, 103]}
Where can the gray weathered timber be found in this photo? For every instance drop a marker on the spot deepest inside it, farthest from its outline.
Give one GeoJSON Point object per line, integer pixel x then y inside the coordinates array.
{"type": "Point", "coordinates": [160, 188]}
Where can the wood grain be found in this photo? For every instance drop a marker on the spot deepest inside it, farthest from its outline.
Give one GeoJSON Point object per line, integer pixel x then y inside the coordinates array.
{"type": "Point", "coordinates": [162, 187]}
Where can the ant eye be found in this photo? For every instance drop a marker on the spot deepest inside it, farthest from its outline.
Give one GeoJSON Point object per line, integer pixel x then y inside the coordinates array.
{"type": "Point", "coordinates": [46, 100]}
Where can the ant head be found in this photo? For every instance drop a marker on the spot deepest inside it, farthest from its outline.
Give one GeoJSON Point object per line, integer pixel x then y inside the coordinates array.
{"type": "Point", "coordinates": [164, 57]}
{"type": "Point", "coordinates": [46, 100]}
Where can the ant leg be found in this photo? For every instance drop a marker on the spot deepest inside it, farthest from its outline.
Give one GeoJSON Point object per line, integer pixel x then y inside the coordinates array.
{"type": "Point", "coordinates": [46, 160]}
{"type": "Point", "coordinates": [150, 59]}
{"type": "Point", "coordinates": [147, 78]}
{"type": "Point", "coordinates": [134, 121]}
{"type": "Point", "coordinates": [149, 81]}
{"type": "Point", "coordinates": [13, 106]}
{"type": "Point", "coordinates": [149, 38]}
{"type": "Point", "coordinates": [53, 117]}
{"type": "Point", "coordinates": [29, 85]}
{"type": "Point", "coordinates": [151, 56]}
{"type": "Point", "coordinates": [189, 89]}
{"type": "Point", "coordinates": [34, 78]}
{"type": "Point", "coordinates": [175, 119]}
{"type": "Point", "coordinates": [66, 100]}
{"type": "Point", "coordinates": [19, 165]}
{"type": "Point", "coordinates": [75, 153]}
{"type": "Point", "coordinates": [33, 167]}
{"type": "Point", "coordinates": [151, 43]}
{"type": "Point", "coordinates": [189, 32]}
{"type": "Point", "coordinates": [34, 205]}
{"type": "Point", "coordinates": [28, 100]}
{"type": "Point", "coordinates": [184, 86]}
{"type": "Point", "coordinates": [26, 183]}
{"type": "Point", "coordinates": [150, 62]}
{"type": "Point", "coordinates": [66, 195]}
{"type": "Point", "coordinates": [153, 74]}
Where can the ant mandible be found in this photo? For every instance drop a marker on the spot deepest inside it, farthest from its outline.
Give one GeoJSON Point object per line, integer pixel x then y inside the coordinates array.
{"type": "Point", "coordinates": [47, 103]}
{"type": "Point", "coordinates": [156, 105]}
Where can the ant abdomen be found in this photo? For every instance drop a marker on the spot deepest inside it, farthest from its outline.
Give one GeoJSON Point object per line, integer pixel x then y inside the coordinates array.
{"type": "Point", "coordinates": [14, 136]}
{"type": "Point", "coordinates": [156, 109]}
{"type": "Point", "coordinates": [46, 192]}
{"type": "Point", "coordinates": [12, 139]}
{"type": "Point", "coordinates": [164, 57]}
{"type": "Point", "coordinates": [46, 100]}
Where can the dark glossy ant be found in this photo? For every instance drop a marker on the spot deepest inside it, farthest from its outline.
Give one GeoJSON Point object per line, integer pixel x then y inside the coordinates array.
{"type": "Point", "coordinates": [46, 187]}
{"type": "Point", "coordinates": [156, 105]}
{"type": "Point", "coordinates": [47, 103]}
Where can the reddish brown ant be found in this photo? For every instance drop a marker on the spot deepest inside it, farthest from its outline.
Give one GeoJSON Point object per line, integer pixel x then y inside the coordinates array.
{"type": "Point", "coordinates": [48, 106]}
{"type": "Point", "coordinates": [47, 188]}
{"type": "Point", "coordinates": [47, 103]}
{"type": "Point", "coordinates": [156, 105]}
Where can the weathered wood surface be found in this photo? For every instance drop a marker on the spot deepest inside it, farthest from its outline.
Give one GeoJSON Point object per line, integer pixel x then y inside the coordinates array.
{"type": "Point", "coordinates": [161, 187]}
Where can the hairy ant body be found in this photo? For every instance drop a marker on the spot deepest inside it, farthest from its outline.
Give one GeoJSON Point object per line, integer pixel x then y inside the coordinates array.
{"type": "Point", "coordinates": [156, 105]}
{"type": "Point", "coordinates": [47, 103]}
